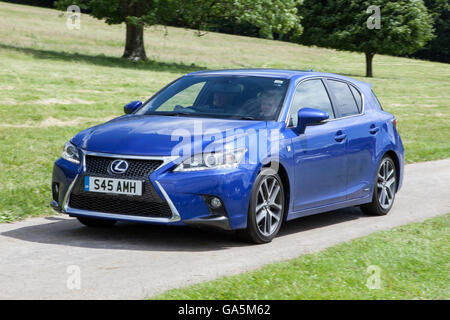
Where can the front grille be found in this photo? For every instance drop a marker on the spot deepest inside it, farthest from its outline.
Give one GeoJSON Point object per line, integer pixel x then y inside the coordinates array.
{"type": "Point", "coordinates": [113, 204]}
{"type": "Point", "coordinates": [150, 204]}
{"type": "Point", "coordinates": [136, 167]}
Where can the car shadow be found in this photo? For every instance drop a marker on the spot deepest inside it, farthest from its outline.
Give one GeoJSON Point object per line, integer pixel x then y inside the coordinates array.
{"type": "Point", "coordinates": [102, 60]}
{"type": "Point", "coordinates": [321, 220]}
{"type": "Point", "coordinates": [147, 237]}
{"type": "Point", "coordinates": [125, 236]}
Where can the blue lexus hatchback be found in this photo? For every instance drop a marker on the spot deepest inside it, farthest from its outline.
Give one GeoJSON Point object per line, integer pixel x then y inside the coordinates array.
{"type": "Point", "coordinates": [242, 150]}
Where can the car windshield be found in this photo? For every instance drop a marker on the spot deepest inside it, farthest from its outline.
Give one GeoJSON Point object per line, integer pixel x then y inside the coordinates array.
{"type": "Point", "coordinates": [227, 97]}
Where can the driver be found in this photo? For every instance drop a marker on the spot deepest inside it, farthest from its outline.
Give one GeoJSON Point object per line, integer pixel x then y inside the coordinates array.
{"type": "Point", "coordinates": [265, 106]}
{"type": "Point", "coordinates": [270, 100]}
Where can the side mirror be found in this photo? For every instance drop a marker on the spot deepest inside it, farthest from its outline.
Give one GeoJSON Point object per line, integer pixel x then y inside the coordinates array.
{"type": "Point", "coordinates": [309, 116]}
{"type": "Point", "coordinates": [132, 106]}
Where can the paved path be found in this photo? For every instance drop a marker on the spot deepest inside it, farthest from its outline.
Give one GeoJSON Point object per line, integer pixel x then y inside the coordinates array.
{"type": "Point", "coordinates": [134, 261]}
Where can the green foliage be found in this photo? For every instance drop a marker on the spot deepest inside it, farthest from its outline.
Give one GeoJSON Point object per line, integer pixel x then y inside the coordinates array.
{"type": "Point", "coordinates": [135, 12]}
{"type": "Point", "coordinates": [268, 16]}
{"type": "Point", "coordinates": [438, 48]}
{"type": "Point", "coordinates": [342, 24]}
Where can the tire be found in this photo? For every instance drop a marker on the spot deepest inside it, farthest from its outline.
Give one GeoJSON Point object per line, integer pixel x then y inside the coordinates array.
{"type": "Point", "coordinates": [384, 189]}
{"type": "Point", "coordinates": [266, 209]}
{"type": "Point", "coordinates": [97, 223]}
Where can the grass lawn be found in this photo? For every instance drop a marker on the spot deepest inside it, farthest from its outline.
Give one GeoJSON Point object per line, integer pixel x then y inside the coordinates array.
{"type": "Point", "coordinates": [55, 82]}
{"type": "Point", "coordinates": [412, 260]}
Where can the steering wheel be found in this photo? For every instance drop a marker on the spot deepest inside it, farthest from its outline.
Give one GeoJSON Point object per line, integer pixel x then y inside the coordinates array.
{"type": "Point", "coordinates": [184, 109]}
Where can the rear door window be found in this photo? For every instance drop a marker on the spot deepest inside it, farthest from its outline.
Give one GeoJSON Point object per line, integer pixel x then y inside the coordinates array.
{"type": "Point", "coordinates": [346, 104]}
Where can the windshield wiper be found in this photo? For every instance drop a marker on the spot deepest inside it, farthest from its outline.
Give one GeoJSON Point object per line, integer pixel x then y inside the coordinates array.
{"type": "Point", "coordinates": [245, 118]}
{"type": "Point", "coordinates": [170, 113]}
{"type": "Point", "coordinates": [207, 115]}
{"type": "Point", "coordinates": [178, 113]}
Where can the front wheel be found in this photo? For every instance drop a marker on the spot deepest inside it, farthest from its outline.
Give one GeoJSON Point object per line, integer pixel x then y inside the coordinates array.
{"type": "Point", "coordinates": [384, 189]}
{"type": "Point", "coordinates": [266, 210]}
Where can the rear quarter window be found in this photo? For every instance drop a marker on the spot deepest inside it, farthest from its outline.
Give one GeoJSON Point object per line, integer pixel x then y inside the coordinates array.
{"type": "Point", "coordinates": [377, 102]}
{"type": "Point", "coordinates": [357, 96]}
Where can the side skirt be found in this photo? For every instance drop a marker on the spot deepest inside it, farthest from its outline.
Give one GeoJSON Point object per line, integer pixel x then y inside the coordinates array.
{"type": "Point", "coordinates": [330, 207]}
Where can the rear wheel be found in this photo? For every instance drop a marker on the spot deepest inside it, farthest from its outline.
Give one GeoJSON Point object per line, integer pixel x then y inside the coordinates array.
{"type": "Point", "coordinates": [266, 210]}
{"type": "Point", "coordinates": [384, 189]}
{"type": "Point", "coordinates": [99, 223]}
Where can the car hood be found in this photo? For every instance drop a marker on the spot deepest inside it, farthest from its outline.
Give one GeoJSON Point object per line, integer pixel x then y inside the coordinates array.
{"type": "Point", "coordinates": [158, 135]}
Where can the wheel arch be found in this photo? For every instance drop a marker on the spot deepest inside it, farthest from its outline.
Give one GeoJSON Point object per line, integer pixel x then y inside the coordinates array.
{"type": "Point", "coordinates": [395, 158]}
{"type": "Point", "coordinates": [282, 172]}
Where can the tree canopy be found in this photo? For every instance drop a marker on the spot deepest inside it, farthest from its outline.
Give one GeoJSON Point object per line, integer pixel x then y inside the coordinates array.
{"type": "Point", "coordinates": [405, 26]}
{"type": "Point", "coordinates": [438, 49]}
{"type": "Point", "coordinates": [269, 16]}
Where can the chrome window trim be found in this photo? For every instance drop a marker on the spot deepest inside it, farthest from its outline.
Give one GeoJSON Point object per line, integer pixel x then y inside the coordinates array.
{"type": "Point", "coordinates": [363, 102]}
{"type": "Point", "coordinates": [166, 159]}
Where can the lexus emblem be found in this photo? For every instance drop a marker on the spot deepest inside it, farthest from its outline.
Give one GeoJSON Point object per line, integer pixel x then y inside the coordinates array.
{"type": "Point", "coordinates": [119, 166]}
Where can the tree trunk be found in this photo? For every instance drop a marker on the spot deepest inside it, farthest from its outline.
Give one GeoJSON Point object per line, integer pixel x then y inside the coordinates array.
{"type": "Point", "coordinates": [134, 44]}
{"type": "Point", "coordinates": [369, 59]}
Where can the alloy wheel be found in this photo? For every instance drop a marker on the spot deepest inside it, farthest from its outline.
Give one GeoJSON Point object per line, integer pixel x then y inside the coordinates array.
{"type": "Point", "coordinates": [269, 206]}
{"type": "Point", "coordinates": [386, 184]}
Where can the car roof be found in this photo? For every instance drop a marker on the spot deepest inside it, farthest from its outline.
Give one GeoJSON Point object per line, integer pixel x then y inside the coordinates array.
{"type": "Point", "coordinates": [275, 73]}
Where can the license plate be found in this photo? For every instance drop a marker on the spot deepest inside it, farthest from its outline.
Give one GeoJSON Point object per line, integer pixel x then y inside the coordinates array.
{"type": "Point", "coordinates": [116, 186]}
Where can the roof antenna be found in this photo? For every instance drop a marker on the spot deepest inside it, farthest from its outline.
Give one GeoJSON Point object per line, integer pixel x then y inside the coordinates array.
{"type": "Point", "coordinates": [310, 70]}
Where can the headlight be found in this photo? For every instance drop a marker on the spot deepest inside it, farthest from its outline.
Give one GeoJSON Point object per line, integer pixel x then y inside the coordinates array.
{"type": "Point", "coordinates": [228, 159]}
{"type": "Point", "coordinates": [70, 153]}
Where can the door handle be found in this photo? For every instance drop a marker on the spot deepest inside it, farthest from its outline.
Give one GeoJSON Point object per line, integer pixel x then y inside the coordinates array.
{"type": "Point", "coordinates": [374, 129]}
{"type": "Point", "coordinates": [340, 136]}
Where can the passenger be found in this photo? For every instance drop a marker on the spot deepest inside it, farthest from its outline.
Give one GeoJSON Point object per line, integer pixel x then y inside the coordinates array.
{"type": "Point", "coordinates": [224, 96]}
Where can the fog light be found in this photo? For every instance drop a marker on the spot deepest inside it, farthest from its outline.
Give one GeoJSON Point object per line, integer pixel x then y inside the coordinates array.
{"type": "Point", "coordinates": [215, 203]}
{"type": "Point", "coordinates": [55, 191]}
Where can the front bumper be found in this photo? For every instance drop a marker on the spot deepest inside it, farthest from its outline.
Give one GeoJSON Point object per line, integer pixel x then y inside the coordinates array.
{"type": "Point", "coordinates": [184, 192]}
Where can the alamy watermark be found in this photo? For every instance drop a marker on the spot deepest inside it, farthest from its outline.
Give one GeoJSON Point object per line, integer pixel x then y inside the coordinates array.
{"type": "Point", "coordinates": [200, 142]}
{"type": "Point", "coordinates": [74, 280]}
{"type": "Point", "coordinates": [73, 21]}
{"type": "Point", "coordinates": [374, 279]}
{"type": "Point", "coordinates": [374, 20]}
